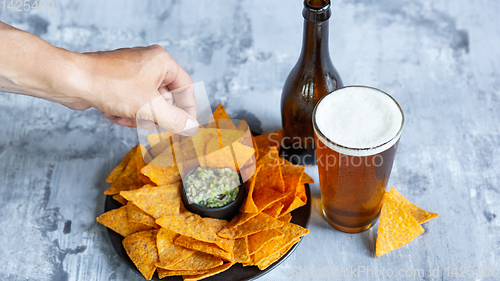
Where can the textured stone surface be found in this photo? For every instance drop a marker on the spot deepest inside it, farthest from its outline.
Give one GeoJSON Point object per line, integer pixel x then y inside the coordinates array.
{"type": "Point", "coordinates": [439, 59]}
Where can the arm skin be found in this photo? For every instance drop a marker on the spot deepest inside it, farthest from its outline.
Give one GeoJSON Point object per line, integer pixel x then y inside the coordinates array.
{"type": "Point", "coordinates": [118, 82]}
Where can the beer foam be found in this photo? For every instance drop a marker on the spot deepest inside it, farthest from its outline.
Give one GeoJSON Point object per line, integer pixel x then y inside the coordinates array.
{"type": "Point", "coordinates": [360, 121]}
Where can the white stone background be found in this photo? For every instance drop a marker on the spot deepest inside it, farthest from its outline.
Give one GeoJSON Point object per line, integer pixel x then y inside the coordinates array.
{"type": "Point", "coordinates": [440, 59]}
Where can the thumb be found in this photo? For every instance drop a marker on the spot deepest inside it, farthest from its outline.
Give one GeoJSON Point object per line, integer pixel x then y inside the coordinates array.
{"type": "Point", "coordinates": [168, 117]}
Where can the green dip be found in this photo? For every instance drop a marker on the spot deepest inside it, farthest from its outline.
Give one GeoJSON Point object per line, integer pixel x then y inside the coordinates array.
{"type": "Point", "coordinates": [212, 187]}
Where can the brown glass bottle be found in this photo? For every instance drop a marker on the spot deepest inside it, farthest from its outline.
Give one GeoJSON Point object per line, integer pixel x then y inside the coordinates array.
{"type": "Point", "coordinates": [311, 78]}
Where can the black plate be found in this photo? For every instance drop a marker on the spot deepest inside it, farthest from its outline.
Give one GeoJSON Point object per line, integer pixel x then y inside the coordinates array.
{"type": "Point", "coordinates": [300, 216]}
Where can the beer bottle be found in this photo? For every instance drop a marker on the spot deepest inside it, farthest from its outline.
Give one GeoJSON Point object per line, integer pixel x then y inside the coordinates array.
{"type": "Point", "coordinates": [311, 78]}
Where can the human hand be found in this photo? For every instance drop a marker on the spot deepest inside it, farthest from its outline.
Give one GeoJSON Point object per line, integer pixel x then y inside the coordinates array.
{"type": "Point", "coordinates": [119, 83]}
{"type": "Point", "coordinates": [122, 82]}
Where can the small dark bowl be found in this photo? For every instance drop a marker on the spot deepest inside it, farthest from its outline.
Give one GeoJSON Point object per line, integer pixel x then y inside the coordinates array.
{"type": "Point", "coordinates": [226, 212]}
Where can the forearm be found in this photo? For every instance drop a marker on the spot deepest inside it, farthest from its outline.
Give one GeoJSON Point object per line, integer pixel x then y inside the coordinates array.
{"type": "Point", "coordinates": [31, 66]}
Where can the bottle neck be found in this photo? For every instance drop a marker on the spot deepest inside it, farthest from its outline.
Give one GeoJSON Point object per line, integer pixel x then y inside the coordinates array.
{"type": "Point", "coordinates": [315, 41]}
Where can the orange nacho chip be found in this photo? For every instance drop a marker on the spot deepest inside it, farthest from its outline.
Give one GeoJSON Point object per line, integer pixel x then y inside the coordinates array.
{"type": "Point", "coordinates": [119, 169]}
{"type": "Point", "coordinates": [297, 203]}
{"type": "Point", "coordinates": [248, 205]}
{"type": "Point", "coordinates": [265, 197]}
{"type": "Point", "coordinates": [419, 214]}
{"type": "Point", "coordinates": [135, 214]}
{"type": "Point", "coordinates": [259, 223]}
{"type": "Point", "coordinates": [274, 210]}
{"type": "Point", "coordinates": [168, 252]}
{"type": "Point", "coordinates": [154, 139]}
{"type": "Point", "coordinates": [301, 193]}
{"type": "Point", "coordinates": [240, 250]}
{"type": "Point", "coordinates": [196, 261]}
{"type": "Point", "coordinates": [287, 217]}
{"type": "Point", "coordinates": [120, 199]}
{"type": "Point", "coordinates": [205, 247]}
{"type": "Point", "coordinates": [200, 142]}
{"type": "Point", "coordinates": [161, 175]}
{"type": "Point", "coordinates": [272, 139]}
{"type": "Point", "coordinates": [306, 178]}
{"type": "Point", "coordinates": [270, 173]}
{"type": "Point", "coordinates": [217, 224]}
{"type": "Point", "coordinates": [291, 177]}
{"type": "Point", "coordinates": [162, 273]}
{"type": "Point", "coordinates": [258, 240]}
{"type": "Point", "coordinates": [129, 177]}
{"type": "Point", "coordinates": [141, 248]}
{"type": "Point", "coordinates": [157, 201]}
{"type": "Point", "coordinates": [276, 256]}
{"type": "Point", "coordinates": [117, 221]}
{"type": "Point", "coordinates": [244, 217]}
{"type": "Point", "coordinates": [209, 273]}
{"type": "Point", "coordinates": [192, 225]}
{"type": "Point", "coordinates": [291, 233]}
{"type": "Point", "coordinates": [221, 158]}
{"type": "Point", "coordinates": [396, 227]}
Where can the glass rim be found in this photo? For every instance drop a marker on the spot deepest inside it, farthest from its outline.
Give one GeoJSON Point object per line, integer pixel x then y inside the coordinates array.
{"type": "Point", "coordinates": [356, 149]}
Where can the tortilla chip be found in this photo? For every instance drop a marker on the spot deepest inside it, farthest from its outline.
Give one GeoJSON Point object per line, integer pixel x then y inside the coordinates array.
{"type": "Point", "coordinates": [301, 193]}
{"type": "Point", "coordinates": [162, 273]}
{"type": "Point", "coordinates": [154, 139]}
{"type": "Point", "coordinates": [120, 199]}
{"type": "Point", "coordinates": [265, 197]}
{"type": "Point", "coordinates": [129, 176]}
{"type": "Point", "coordinates": [141, 248]}
{"type": "Point", "coordinates": [119, 169]}
{"type": "Point", "coordinates": [157, 201]}
{"type": "Point", "coordinates": [117, 220]}
{"type": "Point", "coordinates": [270, 173]}
{"type": "Point", "coordinates": [220, 113]}
{"type": "Point", "coordinates": [291, 177]}
{"type": "Point", "coordinates": [258, 240]}
{"type": "Point", "coordinates": [217, 224]}
{"type": "Point", "coordinates": [165, 159]}
{"type": "Point", "coordinates": [306, 179]}
{"type": "Point", "coordinates": [196, 261]}
{"type": "Point", "coordinates": [240, 250]}
{"type": "Point", "coordinates": [162, 175]}
{"type": "Point", "coordinates": [159, 148]}
{"type": "Point", "coordinates": [244, 217]}
{"type": "Point", "coordinates": [396, 227]}
{"type": "Point", "coordinates": [135, 214]}
{"type": "Point", "coordinates": [297, 203]}
{"type": "Point", "coordinates": [200, 141]}
{"type": "Point", "coordinates": [192, 225]}
{"type": "Point", "coordinates": [419, 214]}
{"type": "Point", "coordinates": [205, 247]}
{"type": "Point", "coordinates": [229, 137]}
{"type": "Point", "coordinates": [243, 154]}
{"type": "Point", "coordinates": [291, 233]}
{"type": "Point", "coordinates": [287, 217]}
{"type": "Point", "coordinates": [168, 252]}
{"type": "Point", "coordinates": [248, 205]}
{"type": "Point", "coordinates": [222, 118]}
{"type": "Point", "coordinates": [209, 273]}
{"type": "Point", "coordinates": [274, 209]}
{"type": "Point", "coordinates": [259, 223]}
{"type": "Point", "coordinates": [273, 258]}
{"type": "Point", "coordinates": [272, 139]}
{"type": "Point", "coordinates": [221, 158]}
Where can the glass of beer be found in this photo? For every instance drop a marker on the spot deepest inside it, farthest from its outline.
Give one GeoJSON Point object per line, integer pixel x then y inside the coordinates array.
{"type": "Point", "coordinates": [356, 130]}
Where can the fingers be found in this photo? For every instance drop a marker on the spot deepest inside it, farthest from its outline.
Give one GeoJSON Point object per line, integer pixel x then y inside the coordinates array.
{"type": "Point", "coordinates": [168, 117]}
{"type": "Point", "coordinates": [180, 84]}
